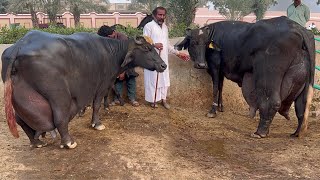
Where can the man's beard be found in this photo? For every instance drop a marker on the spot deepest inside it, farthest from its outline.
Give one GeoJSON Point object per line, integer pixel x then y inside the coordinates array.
{"type": "Point", "coordinates": [161, 21]}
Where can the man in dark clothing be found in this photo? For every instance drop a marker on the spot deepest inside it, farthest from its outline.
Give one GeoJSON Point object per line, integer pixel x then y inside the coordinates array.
{"type": "Point", "coordinates": [128, 76]}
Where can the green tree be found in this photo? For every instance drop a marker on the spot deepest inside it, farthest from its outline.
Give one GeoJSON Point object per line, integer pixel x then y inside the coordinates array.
{"type": "Point", "coordinates": [4, 6]}
{"type": "Point", "coordinates": [76, 7]}
{"type": "Point", "coordinates": [52, 7]}
{"type": "Point", "coordinates": [260, 7]}
{"type": "Point", "coordinates": [233, 9]}
{"type": "Point", "coordinates": [182, 11]}
{"type": "Point", "coordinates": [146, 5]}
{"type": "Point", "coordinates": [26, 6]}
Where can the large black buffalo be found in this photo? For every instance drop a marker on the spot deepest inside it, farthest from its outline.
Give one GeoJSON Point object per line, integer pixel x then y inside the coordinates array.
{"type": "Point", "coordinates": [49, 78]}
{"type": "Point", "coordinates": [274, 59]}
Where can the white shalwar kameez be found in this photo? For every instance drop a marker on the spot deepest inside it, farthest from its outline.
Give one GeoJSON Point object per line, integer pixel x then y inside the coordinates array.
{"type": "Point", "coordinates": [159, 35]}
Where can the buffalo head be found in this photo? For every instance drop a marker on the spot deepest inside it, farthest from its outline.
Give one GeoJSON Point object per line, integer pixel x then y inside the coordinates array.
{"type": "Point", "coordinates": [142, 53]}
{"type": "Point", "coordinates": [197, 41]}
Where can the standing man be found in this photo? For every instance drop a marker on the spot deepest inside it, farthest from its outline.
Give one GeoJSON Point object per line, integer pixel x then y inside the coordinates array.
{"type": "Point", "coordinates": [298, 12]}
{"type": "Point", "coordinates": [128, 76]}
{"type": "Point", "coordinates": [158, 32]}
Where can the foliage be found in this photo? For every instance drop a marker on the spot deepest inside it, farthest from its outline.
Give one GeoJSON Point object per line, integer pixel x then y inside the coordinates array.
{"type": "Point", "coordinates": [76, 7]}
{"type": "Point", "coordinates": [315, 31]}
{"type": "Point", "coordinates": [52, 7]}
{"type": "Point", "coordinates": [179, 30]}
{"type": "Point", "coordinates": [233, 9]}
{"type": "Point", "coordinates": [182, 11]}
{"type": "Point", "coordinates": [129, 31]}
{"type": "Point", "coordinates": [27, 6]}
{"type": "Point", "coordinates": [146, 5]}
{"type": "Point", "coordinates": [3, 6]}
{"type": "Point", "coordinates": [260, 7]}
{"type": "Point", "coordinates": [11, 35]}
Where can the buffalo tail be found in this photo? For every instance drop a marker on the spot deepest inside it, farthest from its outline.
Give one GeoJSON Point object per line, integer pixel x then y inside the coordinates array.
{"type": "Point", "coordinates": [8, 88]}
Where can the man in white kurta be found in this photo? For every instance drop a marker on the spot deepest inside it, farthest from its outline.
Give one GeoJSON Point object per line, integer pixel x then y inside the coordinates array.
{"type": "Point", "coordinates": [158, 32]}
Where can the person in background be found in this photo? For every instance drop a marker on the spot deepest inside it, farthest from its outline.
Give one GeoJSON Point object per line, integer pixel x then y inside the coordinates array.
{"type": "Point", "coordinates": [158, 32]}
{"type": "Point", "coordinates": [298, 12]}
{"type": "Point", "coordinates": [129, 76]}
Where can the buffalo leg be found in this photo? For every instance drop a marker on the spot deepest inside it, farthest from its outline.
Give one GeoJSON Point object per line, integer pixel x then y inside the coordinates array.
{"type": "Point", "coordinates": [215, 80]}
{"type": "Point", "coordinates": [220, 102]}
{"type": "Point", "coordinates": [96, 123]}
{"type": "Point", "coordinates": [34, 142]}
{"type": "Point", "coordinates": [302, 110]}
{"type": "Point", "coordinates": [61, 118]}
{"type": "Point", "coordinates": [105, 102]}
{"type": "Point", "coordinates": [249, 93]}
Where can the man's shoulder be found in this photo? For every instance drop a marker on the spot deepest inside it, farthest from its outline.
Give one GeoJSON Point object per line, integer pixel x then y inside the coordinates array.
{"type": "Point", "coordinates": [304, 6]}
{"type": "Point", "coordinates": [290, 6]}
{"type": "Point", "coordinates": [149, 24]}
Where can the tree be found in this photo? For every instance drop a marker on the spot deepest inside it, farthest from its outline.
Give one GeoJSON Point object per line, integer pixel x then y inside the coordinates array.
{"type": "Point", "coordinates": [76, 7]}
{"type": "Point", "coordinates": [233, 9]}
{"type": "Point", "coordinates": [182, 11]}
{"type": "Point", "coordinates": [52, 7]}
{"type": "Point", "coordinates": [260, 7]}
{"type": "Point", "coordinates": [29, 6]}
{"type": "Point", "coordinates": [146, 5]}
{"type": "Point", "coordinates": [4, 6]}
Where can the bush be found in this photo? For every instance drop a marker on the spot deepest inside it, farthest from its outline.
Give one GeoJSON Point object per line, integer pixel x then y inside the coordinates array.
{"type": "Point", "coordinates": [11, 35]}
{"type": "Point", "coordinates": [129, 31]}
{"type": "Point", "coordinates": [179, 30]}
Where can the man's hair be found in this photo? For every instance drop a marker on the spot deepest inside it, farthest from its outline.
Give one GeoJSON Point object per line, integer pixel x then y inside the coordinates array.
{"type": "Point", "coordinates": [155, 11]}
{"type": "Point", "coordinates": [105, 31]}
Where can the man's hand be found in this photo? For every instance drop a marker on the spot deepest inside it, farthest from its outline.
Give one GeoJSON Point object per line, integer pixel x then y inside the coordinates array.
{"type": "Point", "coordinates": [122, 76]}
{"type": "Point", "coordinates": [158, 46]}
{"type": "Point", "coordinates": [183, 56]}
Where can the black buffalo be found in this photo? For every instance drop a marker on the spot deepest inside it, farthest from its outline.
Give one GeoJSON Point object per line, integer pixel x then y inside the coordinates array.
{"type": "Point", "coordinates": [49, 78]}
{"type": "Point", "coordinates": [145, 21]}
{"type": "Point", "coordinates": [274, 59]}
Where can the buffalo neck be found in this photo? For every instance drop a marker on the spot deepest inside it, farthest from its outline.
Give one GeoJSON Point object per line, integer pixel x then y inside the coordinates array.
{"type": "Point", "coordinates": [118, 50]}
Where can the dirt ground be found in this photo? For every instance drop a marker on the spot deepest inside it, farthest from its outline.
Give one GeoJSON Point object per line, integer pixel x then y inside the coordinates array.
{"type": "Point", "coordinates": [145, 143]}
{"type": "Point", "coordinates": [180, 143]}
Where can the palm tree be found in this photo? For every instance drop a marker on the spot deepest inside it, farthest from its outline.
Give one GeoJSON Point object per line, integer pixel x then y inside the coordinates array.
{"type": "Point", "coordinates": [76, 7]}
{"type": "Point", "coordinates": [30, 6]}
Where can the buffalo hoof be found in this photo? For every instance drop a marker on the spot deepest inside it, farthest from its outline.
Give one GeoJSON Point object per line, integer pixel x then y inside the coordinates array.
{"type": "Point", "coordinates": [98, 127]}
{"type": "Point", "coordinates": [69, 145]}
{"type": "Point", "coordinates": [220, 108]}
{"type": "Point", "coordinates": [211, 115]}
{"type": "Point", "coordinates": [258, 136]}
{"type": "Point", "coordinates": [38, 144]}
{"type": "Point", "coordinates": [295, 135]}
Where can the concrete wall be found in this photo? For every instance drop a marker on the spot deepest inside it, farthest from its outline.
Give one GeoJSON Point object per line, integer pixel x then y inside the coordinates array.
{"type": "Point", "coordinates": [93, 20]}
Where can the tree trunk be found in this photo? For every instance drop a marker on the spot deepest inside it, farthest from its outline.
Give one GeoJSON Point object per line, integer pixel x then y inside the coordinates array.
{"type": "Point", "coordinates": [76, 15]}
{"type": "Point", "coordinates": [34, 18]}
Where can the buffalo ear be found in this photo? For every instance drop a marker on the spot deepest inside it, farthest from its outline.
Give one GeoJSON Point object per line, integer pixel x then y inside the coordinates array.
{"type": "Point", "coordinates": [188, 32]}
{"type": "Point", "coordinates": [184, 44]}
{"type": "Point", "coordinates": [127, 59]}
